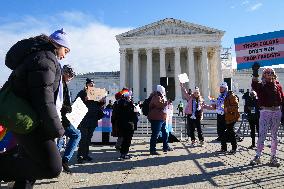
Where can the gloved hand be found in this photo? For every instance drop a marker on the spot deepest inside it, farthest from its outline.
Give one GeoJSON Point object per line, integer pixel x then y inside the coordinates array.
{"type": "Point", "coordinates": [255, 67]}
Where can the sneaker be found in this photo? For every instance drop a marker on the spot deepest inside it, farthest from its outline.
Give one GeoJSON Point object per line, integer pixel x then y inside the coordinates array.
{"type": "Point", "coordinates": [193, 142]}
{"type": "Point", "coordinates": [10, 184]}
{"type": "Point", "coordinates": [154, 153]}
{"type": "Point", "coordinates": [88, 158]}
{"type": "Point", "coordinates": [117, 148]}
{"type": "Point", "coordinates": [255, 161]}
{"type": "Point", "coordinates": [201, 142]}
{"type": "Point", "coordinates": [221, 151]}
{"type": "Point", "coordinates": [273, 162]}
{"type": "Point", "coordinates": [168, 149]}
{"type": "Point", "coordinates": [66, 168]}
{"type": "Point", "coordinates": [218, 139]}
{"type": "Point", "coordinates": [251, 147]}
{"type": "Point", "coordinates": [232, 152]}
{"type": "Point", "coordinates": [80, 159]}
{"type": "Point", "coordinates": [126, 156]}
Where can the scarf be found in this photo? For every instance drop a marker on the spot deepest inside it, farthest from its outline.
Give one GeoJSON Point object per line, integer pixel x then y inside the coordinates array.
{"type": "Point", "coordinates": [220, 103]}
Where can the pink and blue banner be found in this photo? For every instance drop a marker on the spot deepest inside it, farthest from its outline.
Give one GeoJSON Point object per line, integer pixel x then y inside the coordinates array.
{"type": "Point", "coordinates": [267, 49]}
{"type": "Point", "coordinates": [104, 124]}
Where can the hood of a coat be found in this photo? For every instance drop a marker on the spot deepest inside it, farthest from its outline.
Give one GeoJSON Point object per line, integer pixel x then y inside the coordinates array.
{"type": "Point", "coordinates": [25, 47]}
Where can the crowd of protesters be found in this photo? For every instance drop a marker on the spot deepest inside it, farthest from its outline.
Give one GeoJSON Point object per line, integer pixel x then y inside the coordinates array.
{"type": "Point", "coordinates": [39, 78]}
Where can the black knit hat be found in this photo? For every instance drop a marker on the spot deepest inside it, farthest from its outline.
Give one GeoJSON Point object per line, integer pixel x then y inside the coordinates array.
{"type": "Point", "coordinates": [88, 80]}
{"type": "Point", "coordinates": [67, 69]}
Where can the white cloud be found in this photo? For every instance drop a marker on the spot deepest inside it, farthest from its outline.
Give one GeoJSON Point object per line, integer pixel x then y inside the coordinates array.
{"type": "Point", "coordinates": [93, 44]}
{"type": "Point", "coordinates": [245, 2]}
{"type": "Point", "coordinates": [255, 7]}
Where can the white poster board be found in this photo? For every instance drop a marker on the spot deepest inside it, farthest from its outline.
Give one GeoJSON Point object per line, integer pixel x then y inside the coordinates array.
{"type": "Point", "coordinates": [183, 78]}
{"type": "Point", "coordinates": [79, 110]}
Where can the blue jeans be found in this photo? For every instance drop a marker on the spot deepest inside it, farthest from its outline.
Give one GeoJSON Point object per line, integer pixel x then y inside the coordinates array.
{"type": "Point", "coordinates": [156, 127]}
{"type": "Point", "coordinates": [74, 136]}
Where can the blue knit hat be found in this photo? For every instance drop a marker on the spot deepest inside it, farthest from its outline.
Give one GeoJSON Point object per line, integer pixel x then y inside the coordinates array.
{"type": "Point", "coordinates": [61, 38]}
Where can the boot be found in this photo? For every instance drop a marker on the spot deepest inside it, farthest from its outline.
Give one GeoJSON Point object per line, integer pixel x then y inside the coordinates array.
{"type": "Point", "coordinates": [273, 162]}
{"type": "Point", "coordinates": [255, 160]}
{"type": "Point", "coordinates": [66, 167]}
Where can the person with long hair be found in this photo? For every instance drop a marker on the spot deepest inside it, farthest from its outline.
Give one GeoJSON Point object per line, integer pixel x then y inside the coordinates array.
{"type": "Point", "coordinates": [36, 77]}
{"type": "Point", "coordinates": [270, 99]}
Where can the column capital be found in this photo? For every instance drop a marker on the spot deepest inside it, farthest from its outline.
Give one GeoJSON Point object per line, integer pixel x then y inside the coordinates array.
{"type": "Point", "coordinates": [162, 50]}
{"type": "Point", "coordinates": [189, 48]}
{"type": "Point", "coordinates": [149, 50]}
{"type": "Point", "coordinates": [204, 48]}
{"type": "Point", "coordinates": [135, 50]}
{"type": "Point", "coordinates": [122, 50]}
{"type": "Point", "coordinates": [177, 49]}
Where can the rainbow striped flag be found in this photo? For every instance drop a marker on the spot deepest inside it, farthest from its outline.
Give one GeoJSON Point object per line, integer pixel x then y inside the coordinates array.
{"type": "Point", "coordinates": [7, 141]}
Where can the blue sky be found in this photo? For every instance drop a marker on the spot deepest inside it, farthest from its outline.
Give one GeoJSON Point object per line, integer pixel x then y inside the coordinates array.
{"type": "Point", "coordinates": [93, 24]}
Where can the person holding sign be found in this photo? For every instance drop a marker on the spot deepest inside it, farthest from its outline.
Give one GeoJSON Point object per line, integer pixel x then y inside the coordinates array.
{"type": "Point", "coordinates": [194, 111]}
{"type": "Point", "coordinates": [89, 122]}
{"type": "Point", "coordinates": [71, 132]}
{"type": "Point", "coordinates": [270, 98]}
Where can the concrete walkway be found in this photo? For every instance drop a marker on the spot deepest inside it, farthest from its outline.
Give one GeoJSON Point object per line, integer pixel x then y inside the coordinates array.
{"type": "Point", "coordinates": [185, 167]}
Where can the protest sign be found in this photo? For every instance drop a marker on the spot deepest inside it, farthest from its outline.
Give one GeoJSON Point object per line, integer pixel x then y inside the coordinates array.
{"type": "Point", "coordinates": [266, 49]}
{"type": "Point", "coordinates": [104, 127]}
{"type": "Point", "coordinates": [183, 78]}
{"type": "Point", "coordinates": [104, 124]}
{"type": "Point", "coordinates": [96, 94]}
{"type": "Point", "coordinates": [79, 110]}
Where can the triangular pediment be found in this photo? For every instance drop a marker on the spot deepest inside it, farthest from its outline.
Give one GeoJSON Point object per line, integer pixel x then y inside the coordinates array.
{"type": "Point", "coordinates": [170, 26]}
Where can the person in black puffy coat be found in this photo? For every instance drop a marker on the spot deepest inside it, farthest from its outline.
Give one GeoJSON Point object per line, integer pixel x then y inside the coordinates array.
{"type": "Point", "coordinates": [36, 77]}
{"type": "Point", "coordinates": [126, 117]}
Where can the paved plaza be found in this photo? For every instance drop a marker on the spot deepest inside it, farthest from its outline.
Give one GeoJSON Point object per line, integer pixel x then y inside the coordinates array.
{"type": "Point", "coordinates": [185, 167]}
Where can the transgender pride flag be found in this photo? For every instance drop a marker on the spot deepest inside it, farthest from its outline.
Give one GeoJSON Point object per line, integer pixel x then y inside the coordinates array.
{"type": "Point", "coordinates": [267, 49]}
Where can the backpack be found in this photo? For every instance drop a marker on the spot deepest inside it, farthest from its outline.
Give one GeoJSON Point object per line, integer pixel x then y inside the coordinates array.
{"type": "Point", "coordinates": [145, 106]}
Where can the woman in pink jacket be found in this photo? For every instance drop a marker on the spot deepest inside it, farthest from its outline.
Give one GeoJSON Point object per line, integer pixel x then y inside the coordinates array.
{"type": "Point", "coordinates": [194, 112]}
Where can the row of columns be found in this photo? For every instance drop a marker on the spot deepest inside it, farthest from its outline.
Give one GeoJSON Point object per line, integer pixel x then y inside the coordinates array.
{"type": "Point", "coordinates": [190, 61]}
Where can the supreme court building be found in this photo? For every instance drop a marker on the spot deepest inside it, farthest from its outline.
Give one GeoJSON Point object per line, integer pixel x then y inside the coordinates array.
{"type": "Point", "coordinates": [157, 53]}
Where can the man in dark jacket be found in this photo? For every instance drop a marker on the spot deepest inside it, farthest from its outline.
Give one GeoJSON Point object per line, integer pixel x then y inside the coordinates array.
{"type": "Point", "coordinates": [89, 122]}
{"type": "Point", "coordinates": [36, 78]}
{"type": "Point", "coordinates": [71, 132]}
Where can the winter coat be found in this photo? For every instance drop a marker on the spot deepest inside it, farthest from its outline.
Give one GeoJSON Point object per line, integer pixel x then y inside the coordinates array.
{"type": "Point", "coordinates": [269, 94]}
{"type": "Point", "coordinates": [157, 107]}
{"type": "Point", "coordinates": [188, 108]}
{"type": "Point", "coordinates": [114, 121]}
{"type": "Point", "coordinates": [94, 113]}
{"type": "Point", "coordinates": [66, 106]}
{"type": "Point", "coordinates": [124, 115]}
{"type": "Point", "coordinates": [35, 77]}
{"type": "Point", "coordinates": [232, 105]}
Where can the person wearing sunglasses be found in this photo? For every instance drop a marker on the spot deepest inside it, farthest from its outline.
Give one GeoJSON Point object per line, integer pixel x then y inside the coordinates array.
{"type": "Point", "coordinates": [270, 99]}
